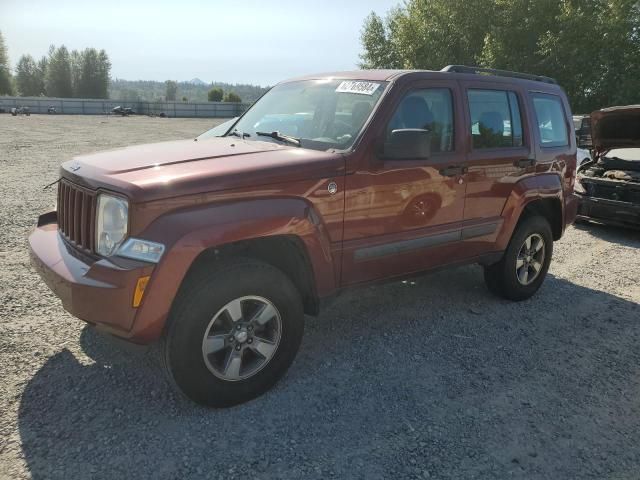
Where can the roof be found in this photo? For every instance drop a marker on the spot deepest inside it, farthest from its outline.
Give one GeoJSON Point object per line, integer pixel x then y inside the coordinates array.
{"type": "Point", "coordinates": [389, 75]}
{"type": "Point", "coordinates": [372, 75]}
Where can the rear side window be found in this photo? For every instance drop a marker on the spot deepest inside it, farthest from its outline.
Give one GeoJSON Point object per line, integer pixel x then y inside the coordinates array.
{"type": "Point", "coordinates": [495, 119]}
{"type": "Point", "coordinates": [551, 120]}
{"type": "Point", "coordinates": [430, 109]}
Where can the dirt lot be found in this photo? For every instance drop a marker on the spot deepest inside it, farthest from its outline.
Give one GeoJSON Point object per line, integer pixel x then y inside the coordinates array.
{"type": "Point", "coordinates": [432, 378]}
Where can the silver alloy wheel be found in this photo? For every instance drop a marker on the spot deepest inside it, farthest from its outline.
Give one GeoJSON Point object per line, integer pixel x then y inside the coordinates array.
{"type": "Point", "coordinates": [530, 259]}
{"type": "Point", "coordinates": [242, 338]}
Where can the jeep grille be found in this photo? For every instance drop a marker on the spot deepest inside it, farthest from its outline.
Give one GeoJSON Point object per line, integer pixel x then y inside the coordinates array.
{"type": "Point", "coordinates": [76, 214]}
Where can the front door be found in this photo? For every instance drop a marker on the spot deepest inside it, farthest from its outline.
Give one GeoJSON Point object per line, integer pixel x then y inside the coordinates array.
{"type": "Point", "coordinates": [405, 216]}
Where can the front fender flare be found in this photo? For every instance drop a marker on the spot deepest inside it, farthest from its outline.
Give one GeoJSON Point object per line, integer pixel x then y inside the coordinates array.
{"type": "Point", "coordinates": [186, 233]}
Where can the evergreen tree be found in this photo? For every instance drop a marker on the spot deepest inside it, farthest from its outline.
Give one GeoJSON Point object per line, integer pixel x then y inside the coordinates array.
{"type": "Point", "coordinates": [171, 90]}
{"type": "Point", "coordinates": [27, 76]}
{"type": "Point", "coordinates": [6, 82]}
{"type": "Point", "coordinates": [41, 75]}
{"type": "Point", "coordinates": [58, 78]}
{"type": "Point", "coordinates": [103, 76]}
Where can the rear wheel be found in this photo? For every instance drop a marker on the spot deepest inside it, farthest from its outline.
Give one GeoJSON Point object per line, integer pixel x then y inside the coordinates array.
{"type": "Point", "coordinates": [522, 269]}
{"type": "Point", "coordinates": [233, 333]}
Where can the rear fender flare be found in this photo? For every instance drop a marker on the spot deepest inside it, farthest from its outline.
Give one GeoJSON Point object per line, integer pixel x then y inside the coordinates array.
{"type": "Point", "coordinates": [527, 190]}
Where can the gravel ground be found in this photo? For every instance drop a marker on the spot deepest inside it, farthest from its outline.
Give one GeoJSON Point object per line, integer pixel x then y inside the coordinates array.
{"type": "Point", "coordinates": [432, 378]}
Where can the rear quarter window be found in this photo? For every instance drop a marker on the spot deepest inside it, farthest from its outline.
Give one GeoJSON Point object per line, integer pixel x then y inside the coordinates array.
{"type": "Point", "coordinates": [551, 120]}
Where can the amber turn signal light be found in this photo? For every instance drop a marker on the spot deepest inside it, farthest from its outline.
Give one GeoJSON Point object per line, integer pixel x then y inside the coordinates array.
{"type": "Point", "coordinates": [139, 291]}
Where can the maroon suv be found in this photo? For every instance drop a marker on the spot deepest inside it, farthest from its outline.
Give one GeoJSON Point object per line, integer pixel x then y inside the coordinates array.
{"type": "Point", "coordinates": [215, 249]}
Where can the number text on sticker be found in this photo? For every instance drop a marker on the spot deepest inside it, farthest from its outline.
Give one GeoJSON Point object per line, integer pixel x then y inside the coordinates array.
{"type": "Point", "coordinates": [363, 88]}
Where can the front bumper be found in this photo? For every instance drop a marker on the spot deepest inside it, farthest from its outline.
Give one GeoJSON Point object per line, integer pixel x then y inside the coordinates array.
{"type": "Point", "coordinates": [96, 290]}
{"type": "Point", "coordinates": [571, 209]}
{"type": "Point", "coordinates": [612, 212]}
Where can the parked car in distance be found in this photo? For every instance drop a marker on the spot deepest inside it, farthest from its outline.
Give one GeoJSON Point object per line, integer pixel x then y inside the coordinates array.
{"type": "Point", "coordinates": [214, 250]}
{"type": "Point", "coordinates": [124, 111]}
{"type": "Point", "coordinates": [609, 185]}
{"type": "Point", "coordinates": [51, 110]}
{"type": "Point", "coordinates": [20, 111]}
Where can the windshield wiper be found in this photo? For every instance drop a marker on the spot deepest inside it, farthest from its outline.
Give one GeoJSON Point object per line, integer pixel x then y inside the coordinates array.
{"type": "Point", "coordinates": [279, 136]}
{"type": "Point", "coordinates": [235, 133]}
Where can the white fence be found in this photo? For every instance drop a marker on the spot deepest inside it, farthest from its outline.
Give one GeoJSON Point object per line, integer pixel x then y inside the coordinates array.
{"type": "Point", "coordinates": [78, 106]}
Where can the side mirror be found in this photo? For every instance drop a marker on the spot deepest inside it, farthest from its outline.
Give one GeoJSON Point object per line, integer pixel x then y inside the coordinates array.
{"type": "Point", "coordinates": [408, 144]}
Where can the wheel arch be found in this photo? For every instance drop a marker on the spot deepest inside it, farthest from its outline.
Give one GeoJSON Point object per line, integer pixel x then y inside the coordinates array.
{"type": "Point", "coordinates": [548, 208]}
{"type": "Point", "coordinates": [286, 233]}
{"type": "Point", "coordinates": [536, 195]}
{"type": "Point", "coordinates": [287, 253]}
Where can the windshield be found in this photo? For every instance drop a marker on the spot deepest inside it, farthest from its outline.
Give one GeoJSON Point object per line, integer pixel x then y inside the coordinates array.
{"type": "Point", "coordinates": [321, 114]}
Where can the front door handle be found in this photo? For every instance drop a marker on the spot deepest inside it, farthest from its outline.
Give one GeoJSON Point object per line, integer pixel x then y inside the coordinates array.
{"type": "Point", "coordinates": [525, 162]}
{"type": "Point", "coordinates": [453, 170]}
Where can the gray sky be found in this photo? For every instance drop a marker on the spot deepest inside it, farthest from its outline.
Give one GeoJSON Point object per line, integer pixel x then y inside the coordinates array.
{"type": "Point", "coordinates": [243, 41]}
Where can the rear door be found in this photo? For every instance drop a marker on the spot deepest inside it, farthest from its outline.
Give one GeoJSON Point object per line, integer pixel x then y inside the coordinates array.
{"type": "Point", "coordinates": [500, 154]}
{"type": "Point", "coordinates": [555, 142]}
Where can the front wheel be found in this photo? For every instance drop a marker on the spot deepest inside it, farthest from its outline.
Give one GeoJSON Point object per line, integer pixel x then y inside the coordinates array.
{"type": "Point", "coordinates": [233, 332]}
{"type": "Point", "coordinates": [523, 268]}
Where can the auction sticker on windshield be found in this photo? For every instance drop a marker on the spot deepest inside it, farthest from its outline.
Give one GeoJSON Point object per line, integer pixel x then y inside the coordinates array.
{"type": "Point", "coordinates": [363, 88]}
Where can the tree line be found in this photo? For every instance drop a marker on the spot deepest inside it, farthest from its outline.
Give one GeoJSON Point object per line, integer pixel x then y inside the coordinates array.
{"type": "Point", "coordinates": [216, 94]}
{"type": "Point", "coordinates": [592, 47]}
{"type": "Point", "coordinates": [213, 95]}
{"type": "Point", "coordinates": [61, 73]}
{"type": "Point", "coordinates": [6, 81]}
{"type": "Point", "coordinates": [156, 91]}
{"type": "Point", "coordinates": [79, 74]}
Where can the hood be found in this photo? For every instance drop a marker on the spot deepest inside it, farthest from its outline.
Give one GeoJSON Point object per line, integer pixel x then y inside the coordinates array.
{"type": "Point", "coordinates": [169, 169]}
{"type": "Point", "coordinates": [615, 127]}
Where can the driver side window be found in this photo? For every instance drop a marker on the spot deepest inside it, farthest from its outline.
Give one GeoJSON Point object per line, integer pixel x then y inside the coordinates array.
{"type": "Point", "coordinates": [429, 109]}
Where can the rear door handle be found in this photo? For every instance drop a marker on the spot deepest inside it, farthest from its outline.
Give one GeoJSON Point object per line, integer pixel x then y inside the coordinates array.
{"type": "Point", "coordinates": [525, 162]}
{"type": "Point", "coordinates": [453, 170]}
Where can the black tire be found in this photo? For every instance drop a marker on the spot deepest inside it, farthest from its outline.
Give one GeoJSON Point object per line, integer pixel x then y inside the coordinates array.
{"type": "Point", "coordinates": [204, 294]}
{"type": "Point", "coordinates": [501, 277]}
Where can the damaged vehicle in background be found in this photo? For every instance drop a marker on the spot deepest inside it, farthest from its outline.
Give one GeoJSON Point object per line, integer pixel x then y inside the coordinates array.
{"type": "Point", "coordinates": [582, 126]}
{"type": "Point", "coordinates": [609, 184]}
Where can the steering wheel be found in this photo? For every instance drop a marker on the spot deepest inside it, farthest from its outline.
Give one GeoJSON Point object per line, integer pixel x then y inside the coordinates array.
{"type": "Point", "coordinates": [338, 129]}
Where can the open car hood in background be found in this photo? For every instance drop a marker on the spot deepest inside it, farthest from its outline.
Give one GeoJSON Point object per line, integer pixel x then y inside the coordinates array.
{"type": "Point", "coordinates": [616, 127]}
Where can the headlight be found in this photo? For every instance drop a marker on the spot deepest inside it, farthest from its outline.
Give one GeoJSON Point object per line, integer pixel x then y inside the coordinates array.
{"type": "Point", "coordinates": [112, 219]}
{"type": "Point", "coordinates": [139, 249]}
{"type": "Point", "coordinates": [578, 187]}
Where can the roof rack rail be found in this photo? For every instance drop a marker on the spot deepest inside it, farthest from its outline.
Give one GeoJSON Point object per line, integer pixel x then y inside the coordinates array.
{"type": "Point", "coordinates": [500, 73]}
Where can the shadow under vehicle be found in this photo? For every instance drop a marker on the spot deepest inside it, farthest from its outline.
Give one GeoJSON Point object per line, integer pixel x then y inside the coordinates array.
{"type": "Point", "coordinates": [608, 186]}
{"type": "Point", "coordinates": [531, 383]}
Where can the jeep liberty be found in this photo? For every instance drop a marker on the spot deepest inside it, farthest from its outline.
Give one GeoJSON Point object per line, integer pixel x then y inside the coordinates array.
{"type": "Point", "coordinates": [214, 249]}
